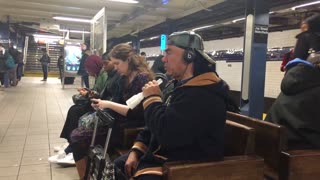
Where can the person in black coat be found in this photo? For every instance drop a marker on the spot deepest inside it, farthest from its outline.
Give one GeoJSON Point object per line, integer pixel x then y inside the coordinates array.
{"type": "Point", "coordinates": [82, 71]}
{"type": "Point", "coordinates": [189, 123]}
{"type": "Point", "coordinates": [308, 41]}
{"type": "Point", "coordinates": [297, 106]}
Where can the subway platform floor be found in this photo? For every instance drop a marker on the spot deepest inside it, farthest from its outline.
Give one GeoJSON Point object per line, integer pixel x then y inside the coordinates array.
{"type": "Point", "coordinates": [31, 118]}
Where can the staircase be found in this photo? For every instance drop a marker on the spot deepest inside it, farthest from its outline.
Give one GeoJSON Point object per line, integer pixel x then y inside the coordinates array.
{"type": "Point", "coordinates": [33, 66]}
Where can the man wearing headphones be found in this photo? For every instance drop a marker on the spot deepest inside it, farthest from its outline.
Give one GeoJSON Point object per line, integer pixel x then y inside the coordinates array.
{"type": "Point", "coordinates": [189, 124]}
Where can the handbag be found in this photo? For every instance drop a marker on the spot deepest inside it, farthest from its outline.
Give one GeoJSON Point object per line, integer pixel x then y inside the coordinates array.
{"type": "Point", "coordinates": [88, 120]}
{"type": "Point", "coordinates": [79, 99]}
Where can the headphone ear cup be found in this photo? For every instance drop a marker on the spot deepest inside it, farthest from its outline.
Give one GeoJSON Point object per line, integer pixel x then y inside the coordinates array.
{"type": "Point", "coordinates": [189, 56]}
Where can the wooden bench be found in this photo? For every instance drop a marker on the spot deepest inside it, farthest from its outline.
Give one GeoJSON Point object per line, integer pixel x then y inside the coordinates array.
{"type": "Point", "coordinates": [238, 164]}
{"type": "Point", "coordinates": [271, 140]}
{"type": "Point", "coordinates": [300, 165]}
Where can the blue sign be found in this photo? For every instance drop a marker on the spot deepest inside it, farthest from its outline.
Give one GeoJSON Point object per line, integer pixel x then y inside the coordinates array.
{"type": "Point", "coordinates": [164, 2]}
{"type": "Point", "coordinates": [163, 44]}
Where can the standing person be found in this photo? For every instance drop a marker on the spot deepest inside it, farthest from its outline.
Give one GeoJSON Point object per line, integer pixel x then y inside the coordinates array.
{"type": "Point", "coordinates": [308, 41]}
{"type": "Point", "coordinates": [3, 67]}
{"type": "Point", "coordinates": [60, 66]}
{"type": "Point", "coordinates": [135, 73]}
{"type": "Point", "coordinates": [82, 71]}
{"type": "Point", "coordinates": [45, 61]}
{"type": "Point", "coordinates": [13, 71]}
{"type": "Point", "coordinates": [20, 66]}
{"type": "Point", "coordinates": [286, 58]}
{"type": "Point", "coordinates": [189, 124]}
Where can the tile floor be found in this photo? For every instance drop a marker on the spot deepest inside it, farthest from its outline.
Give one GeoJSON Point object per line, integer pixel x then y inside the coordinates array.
{"type": "Point", "coordinates": [31, 117]}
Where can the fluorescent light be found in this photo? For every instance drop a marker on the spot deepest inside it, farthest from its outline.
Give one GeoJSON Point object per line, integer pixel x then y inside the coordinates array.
{"type": "Point", "coordinates": [126, 1]}
{"type": "Point", "coordinates": [74, 31]}
{"type": "Point", "coordinates": [240, 19]}
{"type": "Point", "coordinates": [306, 4]}
{"type": "Point", "coordinates": [72, 19]}
{"type": "Point", "coordinates": [271, 12]}
{"type": "Point", "coordinates": [203, 27]}
{"type": "Point", "coordinates": [155, 37]}
{"type": "Point", "coordinates": [47, 36]}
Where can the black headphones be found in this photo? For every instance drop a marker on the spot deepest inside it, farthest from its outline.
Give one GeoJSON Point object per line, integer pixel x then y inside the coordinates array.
{"type": "Point", "coordinates": [189, 54]}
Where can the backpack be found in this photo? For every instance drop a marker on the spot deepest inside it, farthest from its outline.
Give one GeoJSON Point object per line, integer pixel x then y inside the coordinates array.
{"type": "Point", "coordinates": [10, 62]}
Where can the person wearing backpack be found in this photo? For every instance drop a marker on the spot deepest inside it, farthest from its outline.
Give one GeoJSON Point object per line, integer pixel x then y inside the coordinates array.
{"type": "Point", "coordinates": [45, 61]}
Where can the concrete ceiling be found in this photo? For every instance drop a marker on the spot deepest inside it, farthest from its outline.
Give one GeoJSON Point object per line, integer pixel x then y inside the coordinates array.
{"type": "Point", "coordinates": [122, 18]}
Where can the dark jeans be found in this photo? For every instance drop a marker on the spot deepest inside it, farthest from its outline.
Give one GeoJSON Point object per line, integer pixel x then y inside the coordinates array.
{"type": "Point", "coordinates": [85, 80]}
{"type": "Point", "coordinates": [45, 71]}
{"type": "Point", "coordinates": [72, 120]}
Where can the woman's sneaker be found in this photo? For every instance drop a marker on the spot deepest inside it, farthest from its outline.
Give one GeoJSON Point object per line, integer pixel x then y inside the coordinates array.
{"type": "Point", "coordinates": [55, 158]}
{"type": "Point", "coordinates": [67, 160]}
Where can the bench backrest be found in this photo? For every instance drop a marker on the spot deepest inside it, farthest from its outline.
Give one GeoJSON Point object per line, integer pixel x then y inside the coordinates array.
{"type": "Point", "coordinates": [270, 138]}
{"type": "Point", "coordinates": [239, 139]}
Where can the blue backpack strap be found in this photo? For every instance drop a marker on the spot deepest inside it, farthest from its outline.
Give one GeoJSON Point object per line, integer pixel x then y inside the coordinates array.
{"type": "Point", "coordinates": [297, 61]}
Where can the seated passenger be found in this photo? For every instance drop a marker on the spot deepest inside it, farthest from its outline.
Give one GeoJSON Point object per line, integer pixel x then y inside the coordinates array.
{"type": "Point", "coordinates": [297, 106]}
{"type": "Point", "coordinates": [106, 78]}
{"type": "Point", "coordinates": [135, 74]}
{"type": "Point", "coordinates": [189, 124]}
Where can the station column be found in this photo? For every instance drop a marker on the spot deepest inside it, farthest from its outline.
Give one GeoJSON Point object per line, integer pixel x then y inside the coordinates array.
{"type": "Point", "coordinates": [255, 56]}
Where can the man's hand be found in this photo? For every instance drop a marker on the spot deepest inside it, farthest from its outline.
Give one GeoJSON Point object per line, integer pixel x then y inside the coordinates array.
{"type": "Point", "coordinates": [131, 164]}
{"type": "Point", "coordinates": [151, 88]}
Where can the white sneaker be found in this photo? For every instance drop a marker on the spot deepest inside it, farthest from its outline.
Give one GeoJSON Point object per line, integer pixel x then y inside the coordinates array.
{"type": "Point", "coordinates": [55, 158]}
{"type": "Point", "coordinates": [62, 147]}
{"type": "Point", "coordinates": [67, 160]}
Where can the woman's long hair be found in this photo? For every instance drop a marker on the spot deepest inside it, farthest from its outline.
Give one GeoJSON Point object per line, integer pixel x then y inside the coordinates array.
{"type": "Point", "coordinates": [136, 63]}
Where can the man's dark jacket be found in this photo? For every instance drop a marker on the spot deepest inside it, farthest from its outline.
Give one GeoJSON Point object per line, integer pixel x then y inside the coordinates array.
{"type": "Point", "coordinates": [188, 126]}
{"type": "Point", "coordinates": [297, 107]}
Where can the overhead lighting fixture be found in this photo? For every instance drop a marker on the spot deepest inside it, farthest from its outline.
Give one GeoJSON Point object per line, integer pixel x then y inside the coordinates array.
{"type": "Point", "coordinates": [203, 27]}
{"type": "Point", "coordinates": [74, 31]}
{"type": "Point", "coordinates": [126, 1]}
{"type": "Point", "coordinates": [240, 19]}
{"type": "Point", "coordinates": [271, 12]}
{"type": "Point", "coordinates": [155, 37]}
{"type": "Point", "coordinates": [306, 4]}
{"type": "Point", "coordinates": [47, 36]}
{"type": "Point", "coordinates": [72, 19]}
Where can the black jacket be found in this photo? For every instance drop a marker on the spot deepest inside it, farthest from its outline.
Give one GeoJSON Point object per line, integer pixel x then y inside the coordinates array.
{"type": "Point", "coordinates": [82, 71]}
{"type": "Point", "coordinates": [188, 126]}
{"type": "Point", "coordinates": [307, 42]}
{"type": "Point", "coordinates": [297, 107]}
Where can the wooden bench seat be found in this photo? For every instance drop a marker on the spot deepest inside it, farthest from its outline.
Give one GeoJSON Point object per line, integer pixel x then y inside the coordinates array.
{"type": "Point", "coordinates": [300, 165]}
{"type": "Point", "coordinates": [272, 146]}
{"type": "Point", "coordinates": [271, 140]}
{"type": "Point", "coordinates": [239, 162]}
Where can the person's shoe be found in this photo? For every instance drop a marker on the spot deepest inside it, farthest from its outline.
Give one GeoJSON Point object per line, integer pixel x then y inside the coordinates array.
{"type": "Point", "coordinates": [59, 148]}
{"type": "Point", "coordinates": [67, 160]}
{"type": "Point", "coordinates": [43, 80]}
{"type": "Point", "coordinates": [55, 158]}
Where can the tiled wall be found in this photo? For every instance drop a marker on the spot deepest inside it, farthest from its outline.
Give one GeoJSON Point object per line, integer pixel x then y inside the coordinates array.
{"type": "Point", "coordinates": [231, 72]}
